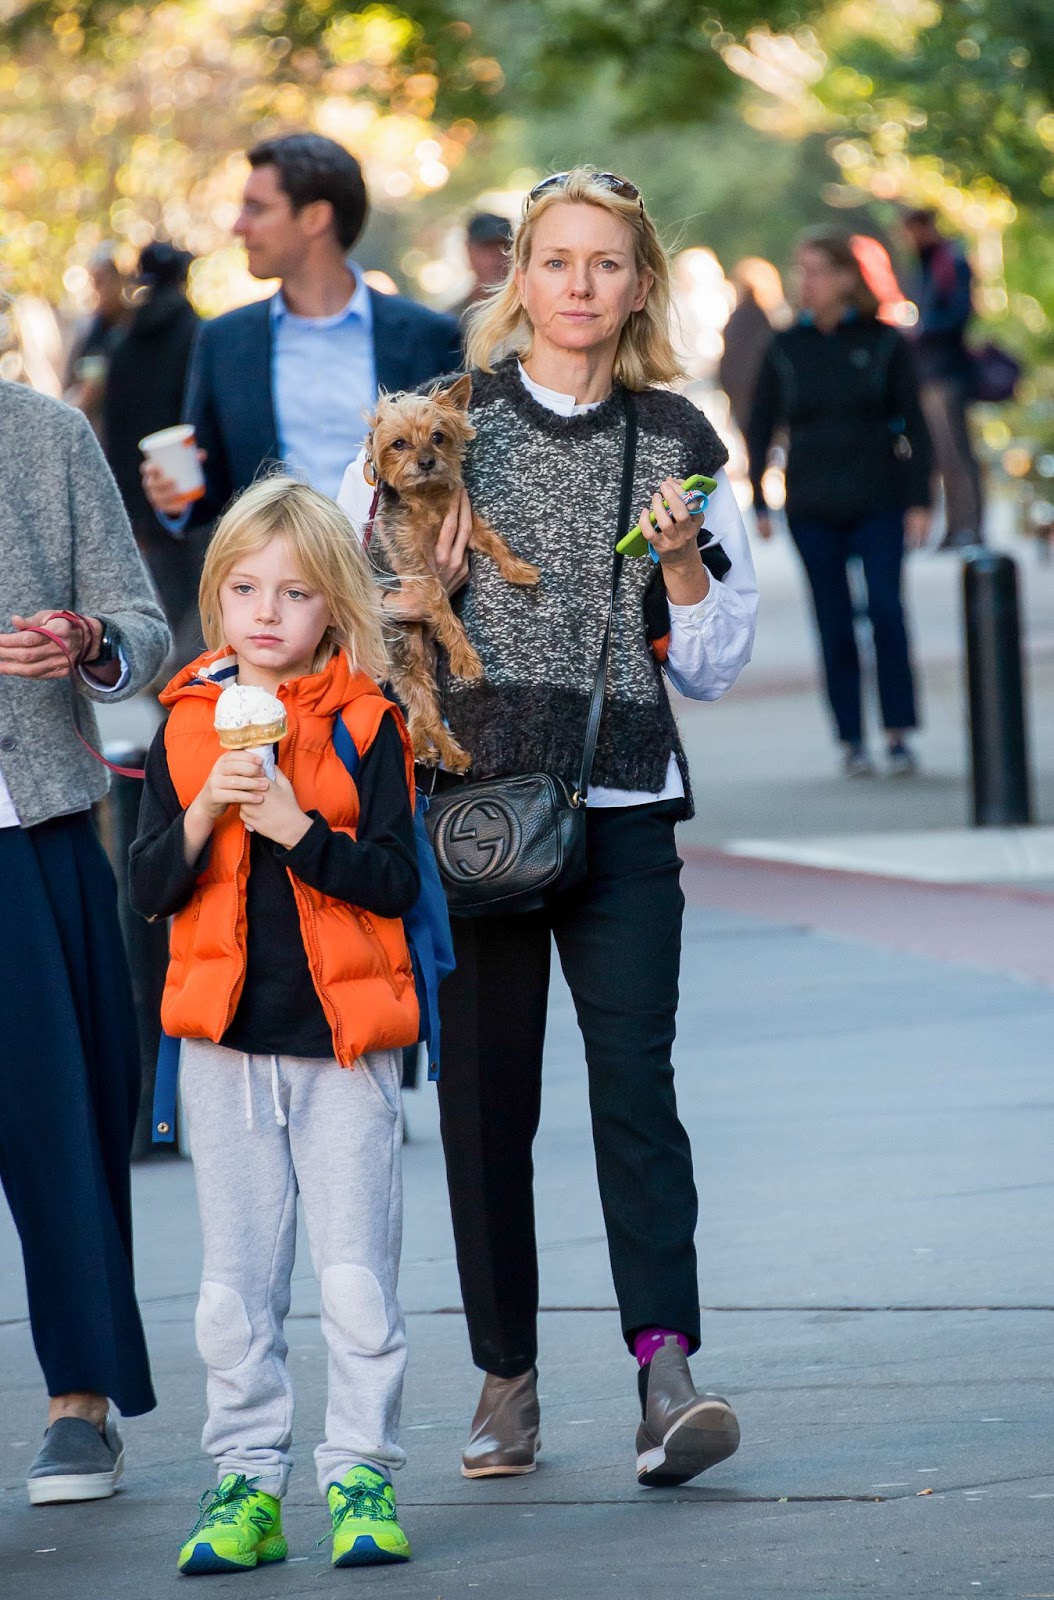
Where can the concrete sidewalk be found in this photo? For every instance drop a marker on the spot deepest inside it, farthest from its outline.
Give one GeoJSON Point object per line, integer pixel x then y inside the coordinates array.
{"type": "Point", "coordinates": [873, 1130]}
{"type": "Point", "coordinates": [873, 1136]}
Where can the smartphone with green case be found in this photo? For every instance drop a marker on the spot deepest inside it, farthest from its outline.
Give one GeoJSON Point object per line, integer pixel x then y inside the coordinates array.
{"type": "Point", "coordinates": [634, 543]}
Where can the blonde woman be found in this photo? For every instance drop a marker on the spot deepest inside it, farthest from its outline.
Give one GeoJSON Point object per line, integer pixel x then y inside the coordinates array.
{"type": "Point", "coordinates": [289, 968]}
{"type": "Point", "coordinates": [584, 316]}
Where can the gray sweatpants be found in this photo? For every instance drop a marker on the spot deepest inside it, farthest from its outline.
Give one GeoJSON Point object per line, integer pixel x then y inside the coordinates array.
{"type": "Point", "coordinates": [263, 1129]}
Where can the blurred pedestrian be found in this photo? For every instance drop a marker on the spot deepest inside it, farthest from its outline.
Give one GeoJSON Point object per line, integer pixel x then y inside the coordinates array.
{"type": "Point", "coordinates": [94, 345]}
{"type": "Point", "coordinates": [760, 307]}
{"type": "Point", "coordinates": [487, 240]}
{"type": "Point", "coordinates": [144, 393]}
{"type": "Point", "coordinates": [290, 379]}
{"type": "Point", "coordinates": [858, 479]}
{"type": "Point", "coordinates": [942, 291]}
{"type": "Point", "coordinates": [69, 1059]}
{"type": "Point", "coordinates": [585, 313]}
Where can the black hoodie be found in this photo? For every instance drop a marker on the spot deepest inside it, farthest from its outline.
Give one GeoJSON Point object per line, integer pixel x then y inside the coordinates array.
{"type": "Point", "coordinates": [849, 401]}
{"type": "Point", "coordinates": [144, 389]}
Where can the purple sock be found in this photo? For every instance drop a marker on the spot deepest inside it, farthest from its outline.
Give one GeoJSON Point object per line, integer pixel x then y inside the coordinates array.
{"type": "Point", "coordinates": [651, 1339]}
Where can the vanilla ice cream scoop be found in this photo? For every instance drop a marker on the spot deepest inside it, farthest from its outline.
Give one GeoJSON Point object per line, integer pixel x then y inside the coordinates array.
{"type": "Point", "coordinates": [248, 718]}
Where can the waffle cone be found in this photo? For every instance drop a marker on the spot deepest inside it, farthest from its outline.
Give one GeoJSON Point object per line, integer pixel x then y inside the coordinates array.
{"type": "Point", "coordinates": [252, 735]}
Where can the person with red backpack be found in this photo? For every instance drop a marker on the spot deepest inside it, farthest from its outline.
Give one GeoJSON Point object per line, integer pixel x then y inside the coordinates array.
{"type": "Point", "coordinates": [292, 988]}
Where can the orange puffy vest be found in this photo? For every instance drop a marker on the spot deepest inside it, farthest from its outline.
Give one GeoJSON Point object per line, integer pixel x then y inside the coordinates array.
{"type": "Point", "coordinates": [359, 962]}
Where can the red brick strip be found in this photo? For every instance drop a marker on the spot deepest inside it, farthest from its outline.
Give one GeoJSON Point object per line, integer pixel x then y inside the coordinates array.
{"type": "Point", "coordinates": [1001, 929]}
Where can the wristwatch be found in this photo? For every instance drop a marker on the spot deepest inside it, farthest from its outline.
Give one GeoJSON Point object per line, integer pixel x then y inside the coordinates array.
{"type": "Point", "coordinates": [108, 647]}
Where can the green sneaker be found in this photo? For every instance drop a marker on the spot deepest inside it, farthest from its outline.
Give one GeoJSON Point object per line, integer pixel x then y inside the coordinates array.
{"type": "Point", "coordinates": [239, 1526]}
{"type": "Point", "coordinates": [365, 1531]}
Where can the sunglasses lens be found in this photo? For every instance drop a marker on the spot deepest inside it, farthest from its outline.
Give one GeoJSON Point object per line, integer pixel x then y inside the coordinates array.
{"type": "Point", "coordinates": [620, 186]}
{"type": "Point", "coordinates": [611, 180]}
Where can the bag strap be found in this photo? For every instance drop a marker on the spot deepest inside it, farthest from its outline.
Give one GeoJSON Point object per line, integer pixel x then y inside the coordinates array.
{"type": "Point", "coordinates": [346, 748]}
{"type": "Point", "coordinates": [596, 704]}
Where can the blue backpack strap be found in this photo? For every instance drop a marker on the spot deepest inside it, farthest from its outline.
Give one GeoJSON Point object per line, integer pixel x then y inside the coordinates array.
{"type": "Point", "coordinates": [165, 1078]}
{"type": "Point", "coordinates": [345, 746]}
{"type": "Point", "coordinates": [427, 923]}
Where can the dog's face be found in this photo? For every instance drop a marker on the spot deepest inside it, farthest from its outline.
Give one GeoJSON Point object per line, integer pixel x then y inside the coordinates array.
{"type": "Point", "coordinates": [417, 442]}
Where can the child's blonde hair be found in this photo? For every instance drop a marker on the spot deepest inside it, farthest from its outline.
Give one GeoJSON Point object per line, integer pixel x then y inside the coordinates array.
{"type": "Point", "coordinates": [645, 353]}
{"type": "Point", "coordinates": [327, 553]}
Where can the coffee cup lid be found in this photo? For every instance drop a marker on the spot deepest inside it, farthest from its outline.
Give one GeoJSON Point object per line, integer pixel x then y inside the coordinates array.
{"type": "Point", "coordinates": [182, 433]}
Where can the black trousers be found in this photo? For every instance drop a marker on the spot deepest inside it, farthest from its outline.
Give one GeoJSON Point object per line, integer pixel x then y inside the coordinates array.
{"type": "Point", "coordinates": [619, 940]}
{"type": "Point", "coordinates": [69, 1090]}
{"type": "Point", "coordinates": [825, 548]}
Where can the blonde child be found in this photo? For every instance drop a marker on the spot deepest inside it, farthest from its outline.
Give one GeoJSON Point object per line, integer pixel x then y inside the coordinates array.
{"type": "Point", "coordinates": [291, 984]}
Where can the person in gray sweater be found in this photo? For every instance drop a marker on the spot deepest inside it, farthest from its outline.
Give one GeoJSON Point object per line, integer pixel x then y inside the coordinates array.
{"type": "Point", "coordinates": [69, 1066]}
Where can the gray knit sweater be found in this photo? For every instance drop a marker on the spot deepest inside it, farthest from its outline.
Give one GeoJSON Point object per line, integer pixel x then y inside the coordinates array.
{"type": "Point", "coordinates": [65, 544]}
{"type": "Point", "coordinates": [550, 484]}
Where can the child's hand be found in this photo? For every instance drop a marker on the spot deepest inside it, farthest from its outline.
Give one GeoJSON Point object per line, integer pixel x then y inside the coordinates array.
{"type": "Point", "coordinates": [277, 816]}
{"type": "Point", "coordinates": [235, 780]}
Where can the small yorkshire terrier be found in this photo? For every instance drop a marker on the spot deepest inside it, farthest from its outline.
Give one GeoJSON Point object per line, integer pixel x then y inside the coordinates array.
{"type": "Point", "coordinates": [414, 454]}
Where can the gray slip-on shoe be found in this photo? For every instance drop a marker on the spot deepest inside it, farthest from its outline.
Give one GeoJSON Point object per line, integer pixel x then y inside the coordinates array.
{"type": "Point", "coordinates": [682, 1432]}
{"type": "Point", "coordinates": [504, 1441]}
{"type": "Point", "coordinates": [76, 1462]}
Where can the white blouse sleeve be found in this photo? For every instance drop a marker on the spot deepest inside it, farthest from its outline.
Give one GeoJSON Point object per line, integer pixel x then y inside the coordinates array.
{"type": "Point", "coordinates": [711, 642]}
{"type": "Point", "coordinates": [355, 495]}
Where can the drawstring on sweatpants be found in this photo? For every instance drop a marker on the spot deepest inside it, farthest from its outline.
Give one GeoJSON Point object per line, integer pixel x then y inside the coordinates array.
{"type": "Point", "coordinates": [246, 1060]}
{"type": "Point", "coordinates": [279, 1114]}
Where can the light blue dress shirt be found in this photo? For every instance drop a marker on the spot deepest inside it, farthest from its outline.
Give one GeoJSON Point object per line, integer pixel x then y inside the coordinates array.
{"type": "Point", "coordinates": [324, 380]}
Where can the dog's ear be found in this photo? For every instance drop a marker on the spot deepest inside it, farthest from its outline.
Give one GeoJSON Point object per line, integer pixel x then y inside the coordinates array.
{"type": "Point", "coordinates": [459, 393]}
{"type": "Point", "coordinates": [373, 417]}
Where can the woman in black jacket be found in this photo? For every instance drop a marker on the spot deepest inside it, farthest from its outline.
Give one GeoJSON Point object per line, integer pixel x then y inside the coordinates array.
{"type": "Point", "coordinates": [858, 478]}
{"type": "Point", "coordinates": [144, 393]}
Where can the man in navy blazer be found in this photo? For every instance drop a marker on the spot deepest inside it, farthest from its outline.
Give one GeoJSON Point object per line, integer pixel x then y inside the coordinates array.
{"type": "Point", "coordinates": [288, 379]}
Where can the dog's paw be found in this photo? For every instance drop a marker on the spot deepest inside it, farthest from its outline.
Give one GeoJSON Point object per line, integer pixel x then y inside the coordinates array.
{"type": "Point", "coordinates": [457, 760]}
{"type": "Point", "coordinates": [522, 573]}
{"type": "Point", "coordinates": [465, 663]}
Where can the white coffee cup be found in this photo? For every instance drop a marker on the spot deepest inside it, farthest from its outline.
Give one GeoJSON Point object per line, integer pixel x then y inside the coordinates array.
{"type": "Point", "coordinates": [175, 451]}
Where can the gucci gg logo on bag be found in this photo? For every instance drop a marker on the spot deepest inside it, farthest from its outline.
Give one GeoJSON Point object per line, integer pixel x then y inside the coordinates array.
{"type": "Point", "coordinates": [502, 846]}
{"type": "Point", "coordinates": [478, 837]}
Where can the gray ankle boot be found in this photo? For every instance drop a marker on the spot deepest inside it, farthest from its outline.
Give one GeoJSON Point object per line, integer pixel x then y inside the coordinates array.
{"type": "Point", "coordinates": [504, 1440]}
{"type": "Point", "coordinates": [682, 1432]}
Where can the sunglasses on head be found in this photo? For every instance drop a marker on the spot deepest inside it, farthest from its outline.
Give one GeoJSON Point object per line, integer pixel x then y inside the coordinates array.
{"type": "Point", "coordinates": [610, 180]}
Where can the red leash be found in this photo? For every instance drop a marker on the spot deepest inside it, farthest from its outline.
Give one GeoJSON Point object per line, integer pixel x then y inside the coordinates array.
{"type": "Point", "coordinates": [77, 621]}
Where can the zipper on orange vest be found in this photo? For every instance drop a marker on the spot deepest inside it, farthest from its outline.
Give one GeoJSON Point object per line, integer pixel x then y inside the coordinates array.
{"type": "Point", "coordinates": [375, 939]}
{"type": "Point", "coordinates": [314, 955]}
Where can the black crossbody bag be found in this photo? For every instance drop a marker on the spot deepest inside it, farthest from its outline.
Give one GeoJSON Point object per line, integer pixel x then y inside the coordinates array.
{"type": "Point", "coordinates": [506, 845]}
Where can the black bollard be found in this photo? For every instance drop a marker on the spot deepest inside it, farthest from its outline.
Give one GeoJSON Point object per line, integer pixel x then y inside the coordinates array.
{"type": "Point", "coordinates": [995, 685]}
{"type": "Point", "coordinates": [146, 943]}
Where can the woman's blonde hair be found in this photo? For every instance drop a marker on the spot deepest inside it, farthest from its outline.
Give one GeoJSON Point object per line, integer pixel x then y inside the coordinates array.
{"type": "Point", "coordinates": [645, 354]}
{"type": "Point", "coordinates": [327, 554]}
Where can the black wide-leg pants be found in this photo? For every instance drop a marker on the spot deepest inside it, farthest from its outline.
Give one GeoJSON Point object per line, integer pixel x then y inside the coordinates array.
{"type": "Point", "coordinates": [69, 1090]}
{"type": "Point", "coordinates": [618, 937]}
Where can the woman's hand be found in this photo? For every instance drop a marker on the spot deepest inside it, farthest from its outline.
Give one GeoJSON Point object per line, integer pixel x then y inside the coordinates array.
{"type": "Point", "coordinates": [675, 540]}
{"type": "Point", "coordinates": [917, 520]}
{"type": "Point", "coordinates": [276, 814]}
{"type": "Point", "coordinates": [451, 562]}
{"type": "Point", "coordinates": [30, 655]}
